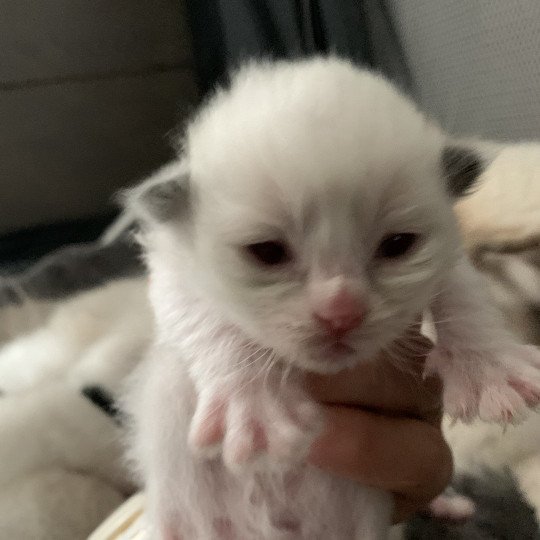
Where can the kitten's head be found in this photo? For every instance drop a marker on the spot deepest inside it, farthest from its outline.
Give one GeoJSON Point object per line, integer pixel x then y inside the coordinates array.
{"type": "Point", "coordinates": [318, 211]}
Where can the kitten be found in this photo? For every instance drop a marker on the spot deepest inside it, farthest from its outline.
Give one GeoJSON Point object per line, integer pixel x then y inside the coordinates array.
{"type": "Point", "coordinates": [501, 231]}
{"type": "Point", "coordinates": [61, 459]}
{"type": "Point", "coordinates": [100, 333]}
{"type": "Point", "coordinates": [305, 225]}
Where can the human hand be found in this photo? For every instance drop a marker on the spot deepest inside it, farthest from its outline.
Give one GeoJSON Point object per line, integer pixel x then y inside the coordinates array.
{"type": "Point", "coordinates": [383, 426]}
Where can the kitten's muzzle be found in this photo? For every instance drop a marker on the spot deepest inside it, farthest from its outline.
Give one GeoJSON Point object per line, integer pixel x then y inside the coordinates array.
{"type": "Point", "coordinates": [340, 314]}
{"type": "Point", "coordinates": [339, 327]}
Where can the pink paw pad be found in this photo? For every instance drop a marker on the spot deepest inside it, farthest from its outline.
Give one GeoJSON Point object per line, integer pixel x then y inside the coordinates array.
{"type": "Point", "coordinates": [208, 427]}
{"type": "Point", "coordinates": [245, 422]}
{"type": "Point", "coordinates": [528, 391]}
{"type": "Point", "coordinates": [244, 442]}
{"type": "Point", "coordinates": [460, 402]}
{"type": "Point", "coordinates": [501, 403]}
{"type": "Point", "coordinates": [499, 385]}
{"type": "Point", "coordinates": [168, 534]}
{"type": "Point", "coordinates": [452, 507]}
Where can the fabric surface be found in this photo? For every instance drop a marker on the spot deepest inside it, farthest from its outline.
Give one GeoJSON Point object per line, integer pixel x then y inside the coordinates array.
{"type": "Point", "coordinates": [72, 269]}
{"type": "Point", "coordinates": [474, 65]}
{"type": "Point", "coordinates": [128, 522]}
{"type": "Point", "coordinates": [20, 249]}
{"type": "Point", "coordinates": [226, 32]}
{"type": "Point", "coordinates": [88, 94]}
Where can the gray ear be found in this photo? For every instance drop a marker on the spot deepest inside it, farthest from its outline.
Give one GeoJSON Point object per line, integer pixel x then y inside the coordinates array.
{"type": "Point", "coordinates": [162, 197]}
{"type": "Point", "coordinates": [461, 167]}
{"type": "Point", "coordinates": [165, 200]}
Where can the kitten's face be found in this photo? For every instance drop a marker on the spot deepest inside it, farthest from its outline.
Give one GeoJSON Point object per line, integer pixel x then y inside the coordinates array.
{"type": "Point", "coordinates": [318, 193]}
{"type": "Point", "coordinates": [275, 266]}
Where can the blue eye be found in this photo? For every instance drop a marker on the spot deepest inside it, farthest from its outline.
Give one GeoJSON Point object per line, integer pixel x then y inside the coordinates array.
{"type": "Point", "coordinates": [396, 245]}
{"type": "Point", "coordinates": [271, 253]}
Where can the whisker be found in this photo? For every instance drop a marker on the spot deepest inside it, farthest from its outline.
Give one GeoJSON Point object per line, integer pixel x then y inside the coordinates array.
{"type": "Point", "coordinates": [399, 361]}
{"type": "Point", "coordinates": [285, 374]}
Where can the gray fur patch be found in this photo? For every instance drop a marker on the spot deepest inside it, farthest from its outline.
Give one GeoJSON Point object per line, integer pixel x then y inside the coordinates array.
{"type": "Point", "coordinates": [9, 295]}
{"type": "Point", "coordinates": [461, 167]}
{"type": "Point", "coordinates": [78, 268]}
{"type": "Point", "coordinates": [501, 513]}
{"type": "Point", "coordinates": [165, 200]}
{"type": "Point", "coordinates": [534, 311]}
{"type": "Point", "coordinates": [103, 400]}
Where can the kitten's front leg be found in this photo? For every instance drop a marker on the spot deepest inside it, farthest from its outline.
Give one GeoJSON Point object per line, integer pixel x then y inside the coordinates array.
{"type": "Point", "coordinates": [485, 371]}
{"type": "Point", "coordinates": [245, 410]}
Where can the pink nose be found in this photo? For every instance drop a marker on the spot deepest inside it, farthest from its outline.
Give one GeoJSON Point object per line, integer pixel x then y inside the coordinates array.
{"type": "Point", "coordinates": [341, 315]}
{"type": "Point", "coordinates": [338, 327]}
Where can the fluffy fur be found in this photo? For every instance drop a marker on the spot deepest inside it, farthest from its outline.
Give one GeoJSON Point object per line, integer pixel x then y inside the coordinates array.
{"type": "Point", "coordinates": [61, 461]}
{"type": "Point", "coordinates": [501, 512]}
{"type": "Point", "coordinates": [100, 332]}
{"type": "Point", "coordinates": [500, 223]}
{"type": "Point", "coordinates": [501, 228]}
{"type": "Point", "coordinates": [479, 445]}
{"type": "Point", "coordinates": [329, 159]}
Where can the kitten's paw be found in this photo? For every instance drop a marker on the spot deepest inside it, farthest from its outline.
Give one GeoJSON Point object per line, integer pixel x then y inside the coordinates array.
{"type": "Point", "coordinates": [452, 507]}
{"type": "Point", "coordinates": [244, 422]}
{"type": "Point", "coordinates": [495, 386]}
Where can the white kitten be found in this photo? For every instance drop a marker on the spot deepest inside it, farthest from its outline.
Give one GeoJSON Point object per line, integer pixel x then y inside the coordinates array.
{"type": "Point", "coordinates": [61, 462]}
{"type": "Point", "coordinates": [101, 332]}
{"type": "Point", "coordinates": [306, 224]}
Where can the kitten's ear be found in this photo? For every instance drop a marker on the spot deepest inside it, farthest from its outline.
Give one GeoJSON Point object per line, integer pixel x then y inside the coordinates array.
{"type": "Point", "coordinates": [462, 166]}
{"type": "Point", "coordinates": [163, 197]}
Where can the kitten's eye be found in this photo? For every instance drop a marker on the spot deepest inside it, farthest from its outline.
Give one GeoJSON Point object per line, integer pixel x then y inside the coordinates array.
{"type": "Point", "coordinates": [396, 245]}
{"type": "Point", "coordinates": [271, 253]}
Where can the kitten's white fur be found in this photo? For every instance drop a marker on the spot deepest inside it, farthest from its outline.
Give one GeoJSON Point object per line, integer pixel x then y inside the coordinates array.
{"type": "Point", "coordinates": [329, 158]}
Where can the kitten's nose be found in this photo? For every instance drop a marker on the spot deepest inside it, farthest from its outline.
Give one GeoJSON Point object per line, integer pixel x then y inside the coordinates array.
{"type": "Point", "coordinates": [339, 327]}
{"type": "Point", "coordinates": [343, 313]}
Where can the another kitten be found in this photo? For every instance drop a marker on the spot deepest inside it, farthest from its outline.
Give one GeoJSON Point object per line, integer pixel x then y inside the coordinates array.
{"type": "Point", "coordinates": [306, 224]}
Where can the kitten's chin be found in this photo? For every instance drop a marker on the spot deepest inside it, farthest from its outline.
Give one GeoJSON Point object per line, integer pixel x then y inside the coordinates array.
{"type": "Point", "coordinates": [328, 358]}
